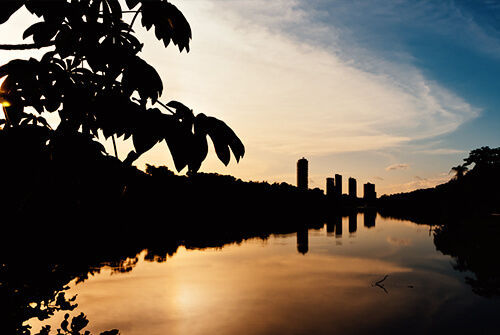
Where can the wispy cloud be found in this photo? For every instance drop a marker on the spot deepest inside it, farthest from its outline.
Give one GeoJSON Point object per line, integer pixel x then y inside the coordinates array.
{"type": "Point", "coordinates": [421, 183]}
{"type": "Point", "coordinates": [404, 166]}
{"type": "Point", "coordinates": [293, 95]}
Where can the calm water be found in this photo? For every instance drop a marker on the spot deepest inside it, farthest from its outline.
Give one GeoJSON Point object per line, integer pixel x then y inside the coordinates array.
{"type": "Point", "coordinates": [320, 282]}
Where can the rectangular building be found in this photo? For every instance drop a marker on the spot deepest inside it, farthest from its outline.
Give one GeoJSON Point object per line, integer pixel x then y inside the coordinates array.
{"type": "Point", "coordinates": [338, 185]}
{"type": "Point", "coordinates": [353, 193]}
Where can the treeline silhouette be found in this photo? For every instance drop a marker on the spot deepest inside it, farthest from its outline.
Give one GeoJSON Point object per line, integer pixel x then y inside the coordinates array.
{"type": "Point", "coordinates": [471, 193]}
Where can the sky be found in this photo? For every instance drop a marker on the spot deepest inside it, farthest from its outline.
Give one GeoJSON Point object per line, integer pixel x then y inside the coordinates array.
{"type": "Point", "coordinates": [389, 92]}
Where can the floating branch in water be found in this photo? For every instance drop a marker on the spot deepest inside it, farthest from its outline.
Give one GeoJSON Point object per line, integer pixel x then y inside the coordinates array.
{"type": "Point", "coordinates": [379, 284]}
{"type": "Point", "coordinates": [380, 281]}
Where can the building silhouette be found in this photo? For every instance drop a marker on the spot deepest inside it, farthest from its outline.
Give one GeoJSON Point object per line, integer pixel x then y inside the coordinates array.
{"type": "Point", "coordinates": [330, 187]}
{"type": "Point", "coordinates": [369, 191]}
{"type": "Point", "coordinates": [302, 174]}
{"type": "Point", "coordinates": [353, 188]}
{"type": "Point", "coordinates": [338, 185]}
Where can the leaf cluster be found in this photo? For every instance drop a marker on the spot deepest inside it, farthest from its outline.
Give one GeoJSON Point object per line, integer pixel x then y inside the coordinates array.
{"type": "Point", "coordinates": [96, 81]}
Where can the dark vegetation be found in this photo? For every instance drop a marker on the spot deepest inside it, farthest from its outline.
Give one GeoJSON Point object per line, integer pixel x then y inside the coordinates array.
{"type": "Point", "coordinates": [94, 79]}
{"type": "Point", "coordinates": [469, 194]}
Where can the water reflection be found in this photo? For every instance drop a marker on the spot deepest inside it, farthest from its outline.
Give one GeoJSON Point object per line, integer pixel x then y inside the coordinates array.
{"type": "Point", "coordinates": [353, 222]}
{"type": "Point", "coordinates": [474, 246]}
{"type": "Point", "coordinates": [369, 218]}
{"type": "Point", "coordinates": [303, 239]}
{"type": "Point", "coordinates": [291, 284]}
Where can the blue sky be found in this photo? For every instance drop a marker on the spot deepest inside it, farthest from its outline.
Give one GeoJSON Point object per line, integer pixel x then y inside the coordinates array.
{"type": "Point", "coordinates": [389, 92]}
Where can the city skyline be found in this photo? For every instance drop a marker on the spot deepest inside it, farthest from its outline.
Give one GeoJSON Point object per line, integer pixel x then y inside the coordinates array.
{"type": "Point", "coordinates": [334, 186]}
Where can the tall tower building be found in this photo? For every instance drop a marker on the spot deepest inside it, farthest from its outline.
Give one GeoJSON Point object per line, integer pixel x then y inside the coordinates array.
{"type": "Point", "coordinates": [338, 185]}
{"type": "Point", "coordinates": [302, 174]}
{"type": "Point", "coordinates": [353, 188]}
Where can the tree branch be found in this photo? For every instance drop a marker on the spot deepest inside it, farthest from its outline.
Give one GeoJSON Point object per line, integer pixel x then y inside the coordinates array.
{"type": "Point", "coordinates": [25, 46]}
{"type": "Point", "coordinates": [133, 19]}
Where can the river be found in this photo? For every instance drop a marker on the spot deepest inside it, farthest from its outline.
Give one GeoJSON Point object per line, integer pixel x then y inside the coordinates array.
{"type": "Point", "coordinates": [359, 276]}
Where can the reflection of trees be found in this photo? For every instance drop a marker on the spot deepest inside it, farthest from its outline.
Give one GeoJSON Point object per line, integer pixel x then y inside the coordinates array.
{"type": "Point", "coordinates": [206, 212]}
{"type": "Point", "coordinates": [474, 246]}
{"type": "Point", "coordinates": [38, 264]}
{"type": "Point", "coordinates": [156, 212]}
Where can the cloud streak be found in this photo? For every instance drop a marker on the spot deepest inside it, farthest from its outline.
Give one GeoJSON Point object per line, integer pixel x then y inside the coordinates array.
{"type": "Point", "coordinates": [293, 95]}
{"type": "Point", "coordinates": [393, 167]}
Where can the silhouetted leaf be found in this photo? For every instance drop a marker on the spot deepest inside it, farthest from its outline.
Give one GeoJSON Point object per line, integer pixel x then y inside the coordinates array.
{"type": "Point", "coordinates": [141, 77]}
{"type": "Point", "coordinates": [65, 41]}
{"type": "Point", "coordinates": [148, 131]}
{"type": "Point", "coordinates": [111, 11]}
{"type": "Point", "coordinates": [170, 24]}
{"type": "Point", "coordinates": [182, 112]}
{"type": "Point", "coordinates": [12, 67]}
{"type": "Point", "coordinates": [179, 141]}
{"type": "Point", "coordinates": [132, 3]}
{"type": "Point", "coordinates": [8, 8]}
{"type": "Point", "coordinates": [224, 139]}
{"type": "Point", "coordinates": [42, 32]}
{"type": "Point", "coordinates": [53, 11]}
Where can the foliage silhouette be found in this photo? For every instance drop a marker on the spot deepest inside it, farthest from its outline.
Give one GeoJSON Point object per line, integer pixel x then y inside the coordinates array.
{"type": "Point", "coordinates": [472, 194]}
{"type": "Point", "coordinates": [96, 81]}
{"type": "Point", "coordinates": [460, 171]}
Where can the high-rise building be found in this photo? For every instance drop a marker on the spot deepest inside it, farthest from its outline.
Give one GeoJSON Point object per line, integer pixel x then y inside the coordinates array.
{"type": "Point", "coordinates": [369, 191]}
{"type": "Point", "coordinates": [330, 187]}
{"type": "Point", "coordinates": [338, 185]}
{"type": "Point", "coordinates": [302, 174]}
{"type": "Point", "coordinates": [353, 188]}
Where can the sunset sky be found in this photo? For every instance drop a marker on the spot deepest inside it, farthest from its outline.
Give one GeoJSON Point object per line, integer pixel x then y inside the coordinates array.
{"type": "Point", "coordinates": [389, 92]}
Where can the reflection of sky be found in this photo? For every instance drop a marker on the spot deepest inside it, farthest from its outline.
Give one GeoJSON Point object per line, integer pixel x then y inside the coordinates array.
{"type": "Point", "coordinates": [267, 287]}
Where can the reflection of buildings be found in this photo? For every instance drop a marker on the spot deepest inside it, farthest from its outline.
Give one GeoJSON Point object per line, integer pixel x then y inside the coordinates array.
{"type": "Point", "coordinates": [369, 217]}
{"type": "Point", "coordinates": [302, 239]}
{"type": "Point", "coordinates": [334, 225]}
{"type": "Point", "coordinates": [353, 222]}
{"type": "Point", "coordinates": [338, 227]}
{"type": "Point", "coordinates": [352, 188]}
{"type": "Point", "coordinates": [302, 174]}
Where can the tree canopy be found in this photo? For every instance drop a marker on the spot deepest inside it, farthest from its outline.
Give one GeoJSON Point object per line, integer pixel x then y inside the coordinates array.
{"type": "Point", "coordinates": [95, 79]}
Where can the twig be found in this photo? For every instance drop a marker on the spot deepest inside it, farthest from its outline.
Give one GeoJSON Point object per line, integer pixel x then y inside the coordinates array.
{"type": "Point", "coordinates": [378, 283]}
{"type": "Point", "coordinates": [381, 285]}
